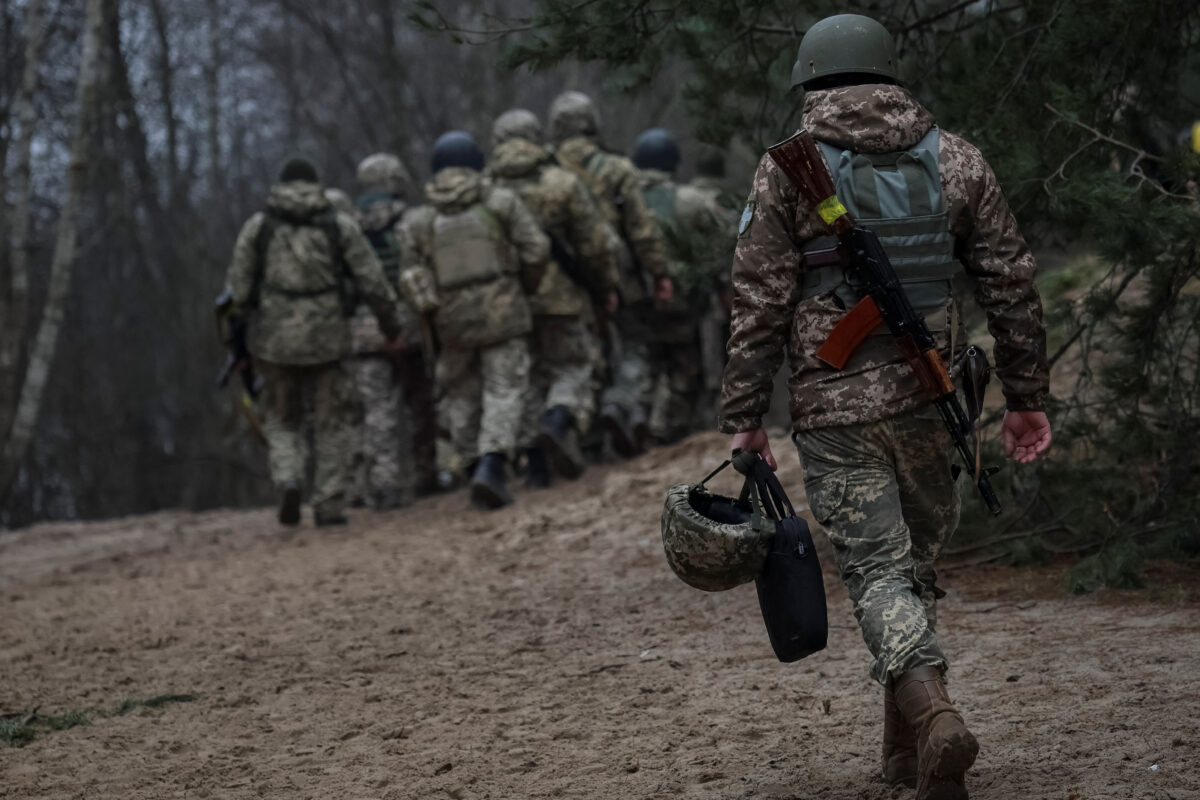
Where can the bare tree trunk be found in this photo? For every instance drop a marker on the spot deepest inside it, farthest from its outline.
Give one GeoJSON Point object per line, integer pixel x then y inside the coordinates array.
{"type": "Point", "coordinates": [15, 312]}
{"type": "Point", "coordinates": [166, 81]}
{"type": "Point", "coordinates": [41, 354]}
{"type": "Point", "coordinates": [212, 80]}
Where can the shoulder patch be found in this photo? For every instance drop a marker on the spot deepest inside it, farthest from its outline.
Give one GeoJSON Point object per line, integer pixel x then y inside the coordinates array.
{"type": "Point", "coordinates": [747, 215]}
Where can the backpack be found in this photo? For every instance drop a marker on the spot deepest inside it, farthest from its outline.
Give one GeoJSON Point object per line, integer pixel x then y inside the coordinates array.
{"type": "Point", "coordinates": [326, 220]}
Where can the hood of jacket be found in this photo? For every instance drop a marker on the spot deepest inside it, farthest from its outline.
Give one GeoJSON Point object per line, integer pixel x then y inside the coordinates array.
{"type": "Point", "coordinates": [654, 177]}
{"type": "Point", "coordinates": [871, 118]}
{"type": "Point", "coordinates": [454, 189]}
{"type": "Point", "coordinates": [297, 200]}
{"type": "Point", "coordinates": [379, 210]}
{"type": "Point", "coordinates": [517, 158]}
{"type": "Point", "coordinates": [577, 149]}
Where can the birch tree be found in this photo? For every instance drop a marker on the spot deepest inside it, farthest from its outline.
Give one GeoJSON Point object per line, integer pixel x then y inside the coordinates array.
{"type": "Point", "coordinates": [41, 353]}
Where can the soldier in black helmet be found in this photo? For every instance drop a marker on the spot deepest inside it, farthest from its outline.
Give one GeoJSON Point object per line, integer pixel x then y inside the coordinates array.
{"type": "Point", "coordinates": [478, 247]}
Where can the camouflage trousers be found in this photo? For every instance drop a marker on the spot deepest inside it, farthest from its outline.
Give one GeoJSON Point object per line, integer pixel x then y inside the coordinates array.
{"type": "Point", "coordinates": [320, 397]}
{"type": "Point", "coordinates": [562, 354]}
{"type": "Point", "coordinates": [675, 367]}
{"type": "Point", "coordinates": [631, 384]}
{"type": "Point", "coordinates": [382, 463]}
{"type": "Point", "coordinates": [416, 384]}
{"type": "Point", "coordinates": [884, 494]}
{"type": "Point", "coordinates": [714, 336]}
{"type": "Point", "coordinates": [482, 393]}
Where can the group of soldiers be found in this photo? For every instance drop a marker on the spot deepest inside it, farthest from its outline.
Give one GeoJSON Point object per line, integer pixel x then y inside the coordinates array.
{"type": "Point", "coordinates": [549, 304]}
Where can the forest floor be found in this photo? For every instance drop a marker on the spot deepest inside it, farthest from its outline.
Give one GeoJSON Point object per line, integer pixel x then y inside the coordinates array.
{"type": "Point", "coordinates": [542, 651]}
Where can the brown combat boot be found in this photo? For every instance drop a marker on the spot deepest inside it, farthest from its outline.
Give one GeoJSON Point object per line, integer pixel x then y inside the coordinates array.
{"type": "Point", "coordinates": [899, 744]}
{"type": "Point", "coordinates": [945, 748]}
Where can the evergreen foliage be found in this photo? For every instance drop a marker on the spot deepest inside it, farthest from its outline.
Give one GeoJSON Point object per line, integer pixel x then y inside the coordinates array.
{"type": "Point", "coordinates": [1079, 107]}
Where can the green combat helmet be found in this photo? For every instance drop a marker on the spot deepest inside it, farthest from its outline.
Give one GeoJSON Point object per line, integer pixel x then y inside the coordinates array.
{"type": "Point", "coordinates": [572, 114]}
{"type": "Point", "coordinates": [384, 173]}
{"type": "Point", "coordinates": [846, 45]}
{"type": "Point", "coordinates": [516, 123]}
{"type": "Point", "coordinates": [712, 542]}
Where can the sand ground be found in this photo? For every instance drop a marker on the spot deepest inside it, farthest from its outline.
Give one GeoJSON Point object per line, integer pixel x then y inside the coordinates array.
{"type": "Point", "coordinates": [545, 651]}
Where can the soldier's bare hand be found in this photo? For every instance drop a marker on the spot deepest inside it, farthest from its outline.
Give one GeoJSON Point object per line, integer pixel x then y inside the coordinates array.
{"type": "Point", "coordinates": [1026, 435]}
{"type": "Point", "coordinates": [664, 290]}
{"type": "Point", "coordinates": [755, 440]}
{"type": "Point", "coordinates": [612, 302]}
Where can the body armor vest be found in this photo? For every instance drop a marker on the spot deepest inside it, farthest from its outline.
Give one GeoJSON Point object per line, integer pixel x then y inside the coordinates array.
{"type": "Point", "coordinates": [899, 197]}
{"type": "Point", "coordinates": [469, 248]}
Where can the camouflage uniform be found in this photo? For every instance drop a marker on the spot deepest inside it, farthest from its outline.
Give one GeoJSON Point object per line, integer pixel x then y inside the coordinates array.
{"type": "Point", "coordinates": [693, 226]}
{"type": "Point", "coordinates": [640, 247]}
{"type": "Point", "coordinates": [562, 341]}
{"type": "Point", "coordinates": [395, 450]}
{"type": "Point", "coordinates": [876, 463]}
{"type": "Point", "coordinates": [301, 335]}
{"type": "Point", "coordinates": [714, 325]}
{"type": "Point", "coordinates": [482, 323]}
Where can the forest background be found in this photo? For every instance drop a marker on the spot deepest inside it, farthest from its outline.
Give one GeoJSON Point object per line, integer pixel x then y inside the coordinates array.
{"type": "Point", "coordinates": [135, 138]}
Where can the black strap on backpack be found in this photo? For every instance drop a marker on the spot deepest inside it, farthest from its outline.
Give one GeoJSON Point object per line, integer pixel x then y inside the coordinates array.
{"type": "Point", "coordinates": [791, 588]}
{"type": "Point", "coordinates": [327, 222]}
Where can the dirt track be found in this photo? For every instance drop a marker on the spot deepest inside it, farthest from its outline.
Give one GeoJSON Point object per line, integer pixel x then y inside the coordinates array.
{"type": "Point", "coordinates": [544, 651]}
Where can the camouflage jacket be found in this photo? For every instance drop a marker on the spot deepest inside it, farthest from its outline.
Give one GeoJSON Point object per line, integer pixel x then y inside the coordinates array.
{"type": "Point", "coordinates": [569, 215]}
{"type": "Point", "coordinates": [768, 315]}
{"type": "Point", "coordinates": [481, 313]}
{"type": "Point", "coordinates": [382, 219]}
{"type": "Point", "coordinates": [300, 314]}
{"type": "Point", "coordinates": [613, 180]}
{"type": "Point", "coordinates": [716, 206]}
{"type": "Point", "coordinates": [699, 234]}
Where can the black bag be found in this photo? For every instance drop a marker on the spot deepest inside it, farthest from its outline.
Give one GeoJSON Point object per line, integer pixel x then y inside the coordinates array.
{"type": "Point", "coordinates": [791, 590]}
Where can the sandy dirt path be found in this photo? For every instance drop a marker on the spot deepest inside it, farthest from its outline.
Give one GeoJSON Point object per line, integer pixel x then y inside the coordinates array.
{"type": "Point", "coordinates": [545, 651]}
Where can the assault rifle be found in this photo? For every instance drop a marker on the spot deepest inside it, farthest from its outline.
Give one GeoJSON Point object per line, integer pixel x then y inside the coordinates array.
{"type": "Point", "coordinates": [232, 330]}
{"type": "Point", "coordinates": [884, 301]}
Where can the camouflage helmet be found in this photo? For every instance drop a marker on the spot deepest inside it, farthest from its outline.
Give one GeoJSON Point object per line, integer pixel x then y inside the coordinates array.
{"type": "Point", "coordinates": [712, 542]}
{"type": "Point", "coordinates": [339, 200]}
{"type": "Point", "coordinates": [383, 172]}
{"type": "Point", "coordinates": [516, 123]}
{"type": "Point", "coordinates": [846, 44]}
{"type": "Point", "coordinates": [572, 114]}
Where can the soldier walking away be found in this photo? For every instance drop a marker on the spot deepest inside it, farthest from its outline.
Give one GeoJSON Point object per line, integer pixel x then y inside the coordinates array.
{"type": "Point", "coordinates": [396, 445]}
{"type": "Point", "coordinates": [877, 462]}
{"type": "Point", "coordinates": [478, 248]}
{"type": "Point", "coordinates": [709, 183]}
{"type": "Point", "coordinates": [299, 267]}
{"type": "Point", "coordinates": [561, 400]}
{"type": "Point", "coordinates": [644, 277]}
{"type": "Point", "coordinates": [692, 224]}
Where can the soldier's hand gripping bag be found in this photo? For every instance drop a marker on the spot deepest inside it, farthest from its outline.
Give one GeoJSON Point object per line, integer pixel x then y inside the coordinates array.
{"type": "Point", "coordinates": [791, 589]}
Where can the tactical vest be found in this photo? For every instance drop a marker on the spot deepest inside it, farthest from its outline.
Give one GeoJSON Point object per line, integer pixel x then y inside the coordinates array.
{"type": "Point", "coordinates": [383, 240]}
{"type": "Point", "coordinates": [899, 197]}
{"type": "Point", "coordinates": [469, 248]}
{"type": "Point", "coordinates": [387, 250]}
{"type": "Point", "coordinates": [660, 198]}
